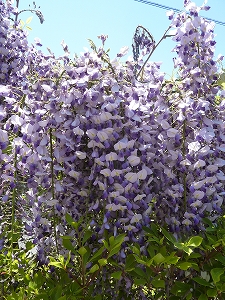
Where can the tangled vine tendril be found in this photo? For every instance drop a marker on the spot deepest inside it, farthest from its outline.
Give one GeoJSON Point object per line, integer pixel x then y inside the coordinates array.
{"type": "Point", "coordinates": [142, 39]}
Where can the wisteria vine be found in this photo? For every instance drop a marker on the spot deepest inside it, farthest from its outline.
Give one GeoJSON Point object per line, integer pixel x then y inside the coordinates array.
{"type": "Point", "coordinates": [85, 137]}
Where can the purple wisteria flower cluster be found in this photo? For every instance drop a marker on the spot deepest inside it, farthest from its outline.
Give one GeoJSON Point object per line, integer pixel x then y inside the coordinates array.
{"type": "Point", "coordinates": [84, 137]}
{"type": "Point", "coordinates": [13, 45]}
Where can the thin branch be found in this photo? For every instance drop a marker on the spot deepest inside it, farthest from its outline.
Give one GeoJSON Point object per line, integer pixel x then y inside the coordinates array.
{"type": "Point", "coordinates": [17, 6]}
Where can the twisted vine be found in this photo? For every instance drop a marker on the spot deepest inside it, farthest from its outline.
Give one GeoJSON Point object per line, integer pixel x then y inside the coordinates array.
{"type": "Point", "coordinates": [143, 39]}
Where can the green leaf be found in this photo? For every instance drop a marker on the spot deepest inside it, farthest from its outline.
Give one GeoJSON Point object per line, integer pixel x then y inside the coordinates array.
{"type": "Point", "coordinates": [136, 250]}
{"type": "Point", "coordinates": [130, 263]}
{"type": "Point", "coordinates": [28, 27]}
{"type": "Point", "coordinates": [172, 259]}
{"type": "Point", "coordinates": [216, 273]}
{"type": "Point", "coordinates": [118, 240]}
{"type": "Point", "coordinates": [68, 245]}
{"type": "Point", "coordinates": [202, 281]}
{"type": "Point", "coordinates": [41, 296]}
{"type": "Point", "coordinates": [115, 244]}
{"type": "Point", "coordinates": [180, 288]}
{"type": "Point", "coordinates": [158, 283]}
{"type": "Point", "coordinates": [155, 228]}
{"type": "Point", "coordinates": [29, 20]}
{"type": "Point", "coordinates": [140, 281]}
{"type": "Point", "coordinates": [82, 251]}
{"type": "Point", "coordinates": [147, 229]}
{"type": "Point", "coordinates": [212, 292]}
{"type": "Point", "coordinates": [140, 272]}
{"type": "Point", "coordinates": [106, 244]}
{"type": "Point", "coordinates": [153, 239]}
{"type": "Point", "coordinates": [71, 222]}
{"type": "Point", "coordinates": [221, 80]}
{"type": "Point", "coordinates": [29, 246]}
{"type": "Point", "coordinates": [195, 255]}
{"type": "Point", "coordinates": [151, 250]}
{"type": "Point", "coordinates": [184, 265]}
{"type": "Point", "coordinates": [113, 263]}
{"type": "Point", "coordinates": [56, 292]}
{"type": "Point", "coordinates": [111, 240]}
{"type": "Point", "coordinates": [61, 259]}
{"type": "Point", "coordinates": [75, 287]}
{"type": "Point", "coordinates": [168, 235]}
{"type": "Point", "coordinates": [208, 222]}
{"type": "Point", "coordinates": [62, 298]}
{"type": "Point", "coordinates": [56, 264]}
{"type": "Point", "coordinates": [203, 297]}
{"type": "Point", "coordinates": [115, 250]}
{"type": "Point", "coordinates": [33, 285]}
{"type": "Point", "coordinates": [15, 237]}
{"type": "Point", "coordinates": [195, 241]}
{"type": "Point", "coordinates": [116, 275]}
{"type": "Point", "coordinates": [160, 294]}
{"type": "Point", "coordinates": [179, 245]}
{"type": "Point", "coordinates": [141, 261]}
{"type": "Point", "coordinates": [39, 279]}
{"type": "Point", "coordinates": [87, 235]}
{"type": "Point", "coordinates": [98, 297]}
{"type": "Point", "coordinates": [161, 241]}
{"type": "Point", "coordinates": [148, 262]}
{"type": "Point", "coordinates": [183, 247]}
{"type": "Point", "coordinates": [163, 250]}
{"type": "Point", "coordinates": [211, 229]}
{"type": "Point", "coordinates": [149, 272]}
{"type": "Point", "coordinates": [158, 258]}
{"type": "Point", "coordinates": [218, 243]}
{"type": "Point", "coordinates": [220, 258]}
{"type": "Point", "coordinates": [94, 269]}
{"type": "Point", "coordinates": [97, 253]}
{"type": "Point", "coordinates": [102, 262]}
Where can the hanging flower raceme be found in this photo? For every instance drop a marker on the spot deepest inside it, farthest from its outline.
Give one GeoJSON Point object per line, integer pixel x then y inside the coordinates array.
{"type": "Point", "coordinates": [195, 49]}
{"type": "Point", "coordinates": [13, 46]}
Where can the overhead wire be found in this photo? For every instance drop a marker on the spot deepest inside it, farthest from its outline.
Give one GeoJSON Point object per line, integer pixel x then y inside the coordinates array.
{"type": "Point", "coordinates": [174, 9]}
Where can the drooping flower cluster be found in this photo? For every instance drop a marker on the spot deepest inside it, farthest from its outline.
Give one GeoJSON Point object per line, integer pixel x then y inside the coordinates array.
{"type": "Point", "coordinates": [193, 133]}
{"type": "Point", "coordinates": [195, 46]}
{"type": "Point", "coordinates": [13, 46]}
{"type": "Point", "coordinates": [84, 137]}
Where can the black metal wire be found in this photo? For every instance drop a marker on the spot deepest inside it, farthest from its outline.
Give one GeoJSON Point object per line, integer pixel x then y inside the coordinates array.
{"type": "Point", "coordinates": [157, 5]}
{"type": "Point", "coordinates": [175, 9]}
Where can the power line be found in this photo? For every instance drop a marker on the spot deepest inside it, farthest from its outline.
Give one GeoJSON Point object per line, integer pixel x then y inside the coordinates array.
{"type": "Point", "coordinates": [174, 9]}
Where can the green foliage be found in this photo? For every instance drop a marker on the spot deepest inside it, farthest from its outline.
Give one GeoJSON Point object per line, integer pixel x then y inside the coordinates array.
{"type": "Point", "coordinates": [191, 268]}
{"type": "Point", "coordinates": [83, 267]}
{"type": "Point", "coordinates": [221, 80]}
{"type": "Point", "coordinates": [221, 83]}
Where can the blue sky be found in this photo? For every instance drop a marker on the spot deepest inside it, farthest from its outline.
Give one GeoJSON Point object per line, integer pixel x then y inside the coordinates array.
{"type": "Point", "coordinates": [76, 21]}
